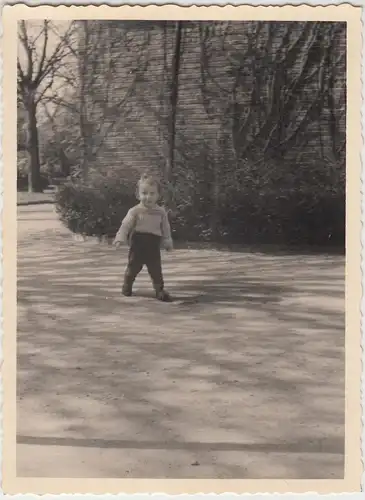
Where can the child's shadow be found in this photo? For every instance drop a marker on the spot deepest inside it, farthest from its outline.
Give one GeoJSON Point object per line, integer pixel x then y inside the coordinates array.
{"type": "Point", "coordinates": [181, 300]}
{"type": "Point", "coordinates": [250, 293]}
{"type": "Point", "coordinates": [210, 294]}
{"type": "Point", "coordinates": [188, 300]}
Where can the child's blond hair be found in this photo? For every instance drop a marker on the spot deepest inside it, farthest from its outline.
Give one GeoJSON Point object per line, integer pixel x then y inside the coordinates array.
{"type": "Point", "coordinates": [150, 180]}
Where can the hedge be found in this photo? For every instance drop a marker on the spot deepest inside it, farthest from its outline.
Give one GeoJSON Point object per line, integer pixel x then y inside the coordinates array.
{"type": "Point", "coordinates": [93, 210]}
{"type": "Point", "coordinates": [305, 217]}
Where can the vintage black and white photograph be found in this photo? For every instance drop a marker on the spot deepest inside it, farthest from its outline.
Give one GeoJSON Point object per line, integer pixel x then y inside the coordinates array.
{"type": "Point", "coordinates": [181, 230]}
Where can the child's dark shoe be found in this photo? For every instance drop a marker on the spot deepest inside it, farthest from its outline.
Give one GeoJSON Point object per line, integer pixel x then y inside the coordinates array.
{"type": "Point", "coordinates": [163, 296]}
{"type": "Point", "coordinates": [126, 291]}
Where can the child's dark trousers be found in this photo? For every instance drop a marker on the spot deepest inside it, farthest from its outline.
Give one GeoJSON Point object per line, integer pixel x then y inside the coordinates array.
{"type": "Point", "coordinates": [145, 249]}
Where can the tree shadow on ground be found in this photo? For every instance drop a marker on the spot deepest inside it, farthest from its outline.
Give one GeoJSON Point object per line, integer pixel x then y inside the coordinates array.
{"type": "Point", "coordinates": [250, 358]}
{"type": "Point", "coordinates": [331, 251]}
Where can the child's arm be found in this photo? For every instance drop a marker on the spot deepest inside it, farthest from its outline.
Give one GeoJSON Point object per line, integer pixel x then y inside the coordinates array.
{"type": "Point", "coordinates": [166, 232]}
{"type": "Point", "coordinates": [125, 229]}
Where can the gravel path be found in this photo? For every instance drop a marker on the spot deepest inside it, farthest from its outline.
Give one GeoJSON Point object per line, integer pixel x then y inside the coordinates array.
{"type": "Point", "coordinates": [242, 377]}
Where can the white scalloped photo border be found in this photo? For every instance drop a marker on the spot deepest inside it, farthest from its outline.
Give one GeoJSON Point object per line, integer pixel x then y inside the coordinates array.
{"type": "Point", "coordinates": [259, 3]}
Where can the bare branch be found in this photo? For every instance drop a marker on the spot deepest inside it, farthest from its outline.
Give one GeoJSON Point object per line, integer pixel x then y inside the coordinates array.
{"type": "Point", "coordinates": [61, 102]}
{"type": "Point", "coordinates": [61, 51]}
{"type": "Point", "coordinates": [20, 71]}
{"type": "Point", "coordinates": [23, 37]}
{"type": "Point", "coordinates": [42, 93]}
{"type": "Point", "coordinates": [112, 111]}
{"type": "Point", "coordinates": [44, 50]}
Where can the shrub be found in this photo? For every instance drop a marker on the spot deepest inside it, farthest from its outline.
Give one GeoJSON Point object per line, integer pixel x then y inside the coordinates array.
{"type": "Point", "coordinates": [288, 215]}
{"type": "Point", "coordinates": [290, 218]}
{"type": "Point", "coordinates": [22, 173]}
{"type": "Point", "coordinates": [94, 210]}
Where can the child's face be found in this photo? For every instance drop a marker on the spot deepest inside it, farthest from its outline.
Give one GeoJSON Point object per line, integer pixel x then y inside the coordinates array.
{"type": "Point", "coordinates": [148, 194]}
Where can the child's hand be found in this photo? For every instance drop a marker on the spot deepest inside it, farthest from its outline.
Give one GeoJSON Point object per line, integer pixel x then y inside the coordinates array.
{"type": "Point", "coordinates": [117, 244]}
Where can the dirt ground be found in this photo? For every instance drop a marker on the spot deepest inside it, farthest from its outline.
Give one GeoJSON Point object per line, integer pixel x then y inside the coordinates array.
{"type": "Point", "coordinates": [241, 377]}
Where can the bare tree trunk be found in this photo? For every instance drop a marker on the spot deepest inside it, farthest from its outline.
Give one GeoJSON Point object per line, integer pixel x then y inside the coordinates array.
{"type": "Point", "coordinates": [34, 174]}
{"type": "Point", "coordinates": [175, 70]}
{"type": "Point", "coordinates": [163, 104]}
{"type": "Point", "coordinates": [83, 64]}
{"type": "Point", "coordinates": [321, 137]}
{"type": "Point", "coordinates": [35, 77]}
{"type": "Point", "coordinates": [215, 191]}
{"type": "Point", "coordinates": [64, 163]}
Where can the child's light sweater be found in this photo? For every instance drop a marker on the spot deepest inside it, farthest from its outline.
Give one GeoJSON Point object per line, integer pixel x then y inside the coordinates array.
{"type": "Point", "coordinates": [145, 220]}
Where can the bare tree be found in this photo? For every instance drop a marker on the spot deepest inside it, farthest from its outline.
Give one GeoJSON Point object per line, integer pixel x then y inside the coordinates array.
{"type": "Point", "coordinates": [59, 144]}
{"type": "Point", "coordinates": [173, 101]}
{"type": "Point", "coordinates": [97, 98]}
{"type": "Point", "coordinates": [283, 83]}
{"type": "Point", "coordinates": [37, 66]}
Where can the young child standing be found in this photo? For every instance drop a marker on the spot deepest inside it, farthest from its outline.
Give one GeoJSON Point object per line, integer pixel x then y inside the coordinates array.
{"type": "Point", "coordinates": [146, 229]}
